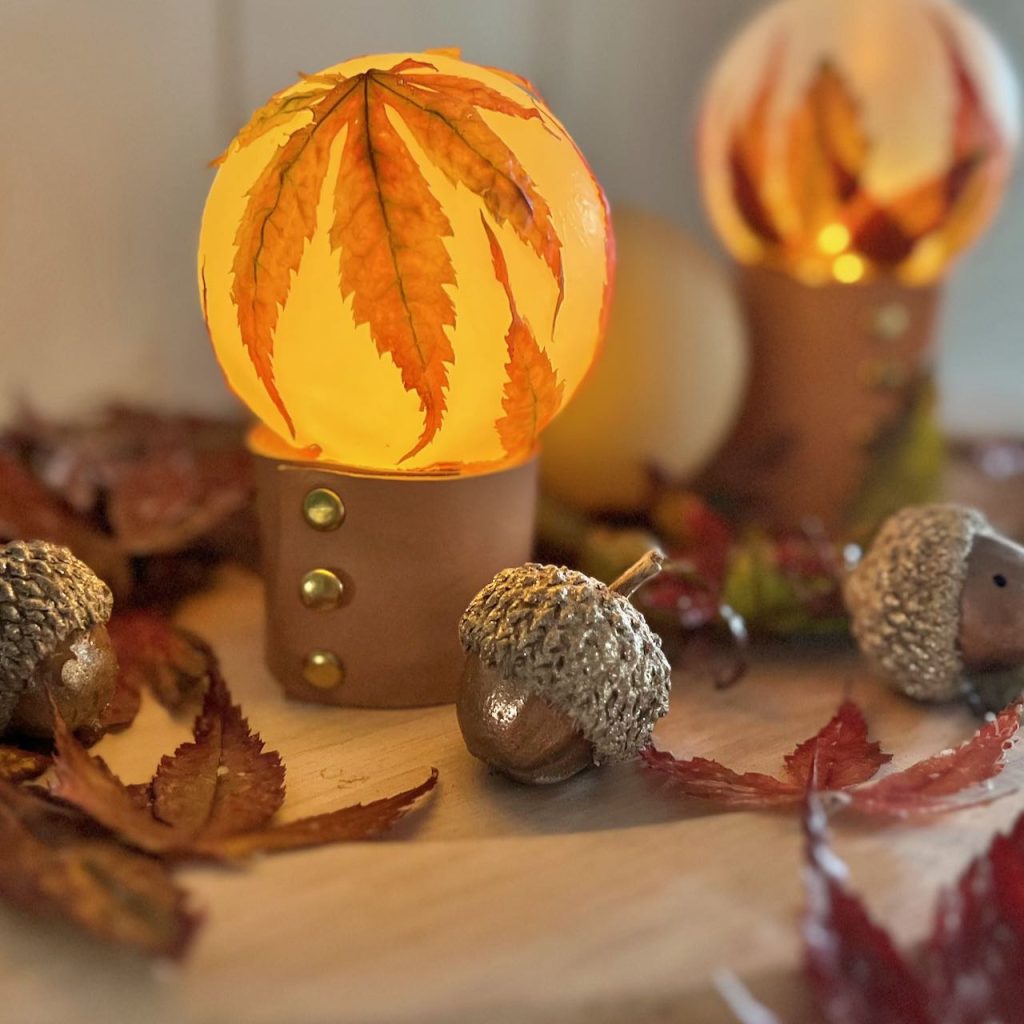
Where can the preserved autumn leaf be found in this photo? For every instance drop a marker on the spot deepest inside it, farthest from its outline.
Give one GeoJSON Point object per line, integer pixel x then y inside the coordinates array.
{"type": "Point", "coordinates": [87, 783]}
{"type": "Point", "coordinates": [856, 973]}
{"type": "Point", "coordinates": [155, 655]}
{"type": "Point", "coordinates": [840, 754]}
{"type": "Point", "coordinates": [974, 962]}
{"type": "Point", "coordinates": [825, 151]}
{"type": "Point", "coordinates": [221, 783]}
{"type": "Point", "coordinates": [29, 511]}
{"type": "Point", "coordinates": [950, 780]}
{"type": "Point", "coordinates": [533, 393]}
{"type": "Point", "coordinates": [387, 225]}
{"type": "Point", "coordinates": [99, 886]}
{"type": "Point", "coordinates": [18, 765]}
{"type": "Point", "coordinates": [360, 821]}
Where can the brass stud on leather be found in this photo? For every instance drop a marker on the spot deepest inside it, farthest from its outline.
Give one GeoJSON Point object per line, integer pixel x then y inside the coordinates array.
{"type": "Point", "coordinates": [323, 509]}
{"type": "Point", "coordinates": [323, 670]}
{"type": "Point", "coordinates": [321, 590]}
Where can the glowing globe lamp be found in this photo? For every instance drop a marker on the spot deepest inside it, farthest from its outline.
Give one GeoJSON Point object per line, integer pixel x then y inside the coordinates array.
{"type": "Point", "coordinates": [849, 150]}
{"type": "Point", "coordinates": [404, 266]}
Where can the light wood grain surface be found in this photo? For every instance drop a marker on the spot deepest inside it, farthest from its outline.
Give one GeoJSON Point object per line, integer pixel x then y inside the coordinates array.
{"type": "Point", "coordinates": [605, 899]}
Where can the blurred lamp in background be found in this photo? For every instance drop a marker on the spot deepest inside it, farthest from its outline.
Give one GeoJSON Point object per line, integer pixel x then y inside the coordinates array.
{"type": "Point", "coordinates": [669, 384]}
{"type": "Point", "coordinates": [849, 150]}
{"type": "Point", "coordinates": [404, 266]}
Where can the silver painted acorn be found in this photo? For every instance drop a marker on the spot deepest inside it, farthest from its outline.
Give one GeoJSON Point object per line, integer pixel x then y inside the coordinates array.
{"type": "Point", "coordinates": [53, 639]}
{"type": "Point", "coordinates": [937, 605]}
{"type": "Point", "coordinates": [562, 672]}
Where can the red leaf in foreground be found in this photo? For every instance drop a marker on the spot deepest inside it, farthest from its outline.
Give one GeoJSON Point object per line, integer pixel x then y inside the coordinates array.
{"type": "Point", "coordinates": [840, 754]}
{"type": "Point", "coordinates": [856, 973]}
{"type": "Point", "coordinates": [975, 960]}
{"type": "Point", "coordinates": [153, 653]}
{"type": "Point", "coordinates": [221, 783]}
{"type": "Point", "coordinates": [98, 885]}
{"type": "Point", "coordinates": [360, 821]}
{"type": "Point", "coordinates": [950, 780]}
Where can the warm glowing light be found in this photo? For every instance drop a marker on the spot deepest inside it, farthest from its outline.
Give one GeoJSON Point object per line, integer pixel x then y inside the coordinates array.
{"type": "Point", "coordinates": [833, 239]}
{"type": "Point", "coordinates": [879, 128]}
{"type": "Point", "coordinates": [404, 265]}
{"type": "Point", "coordinates": [848, 268]}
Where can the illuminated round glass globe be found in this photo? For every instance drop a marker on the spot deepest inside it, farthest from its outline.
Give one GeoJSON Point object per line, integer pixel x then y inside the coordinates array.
{"type": "Point", "coordinates": [404, 264]}
{"type": "Point", "coordinates": [841, 139]}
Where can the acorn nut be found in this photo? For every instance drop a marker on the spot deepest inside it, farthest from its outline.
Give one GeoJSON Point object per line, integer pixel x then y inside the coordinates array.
{"type": "Point", "coordinates": [562, 672]}
{"type": "Point", "coordinates": [53, 639]}
{"type": "Point", "coordinates": [937, 606]}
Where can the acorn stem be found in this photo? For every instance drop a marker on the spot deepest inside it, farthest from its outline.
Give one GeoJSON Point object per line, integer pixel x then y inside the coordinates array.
{"type": "Point", "coordinates": [639, 573]}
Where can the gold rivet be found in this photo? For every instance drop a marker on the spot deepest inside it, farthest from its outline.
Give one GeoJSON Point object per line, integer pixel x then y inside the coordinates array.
{"type": "Point", "coordinates": [323, 670]}
{"type": "Point", "coordinates": [323, 509]}
{"type": "Point", "coordinates": [892, 321]}
{"type": "Point", "coordinates": [321, 590]}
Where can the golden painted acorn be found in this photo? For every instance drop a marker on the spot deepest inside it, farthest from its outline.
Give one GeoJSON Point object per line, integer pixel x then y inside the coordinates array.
{"type": "Point", "coordinates": [562, 672]}
{"type": "Point", "coordinates": [53, 639]}
{"type": "Point", "coordinates": [937, 605]}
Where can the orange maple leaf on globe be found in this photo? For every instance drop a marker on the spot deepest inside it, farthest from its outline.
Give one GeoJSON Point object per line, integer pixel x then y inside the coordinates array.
{"type": "Point", "coordinates": [388, 227]}
{"type": "Point", "coordinates": [533, 393]}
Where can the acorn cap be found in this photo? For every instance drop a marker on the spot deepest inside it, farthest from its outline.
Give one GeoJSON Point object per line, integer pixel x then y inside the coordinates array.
{"type": "Point", "coordinates": [579, 645]}
{"type": "Point", "coordinates": [904, 598]}
{"type": "Point", "coordinates": [46, 596]}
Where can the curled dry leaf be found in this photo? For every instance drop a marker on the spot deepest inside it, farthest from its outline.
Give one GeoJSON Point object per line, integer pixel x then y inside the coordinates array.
{"type": "Point", "coordinates": [18, 765]}
{"type": "Point", "coordinates": [155, 655]}
{"type": "Point", "coordinates": [114, 894]}
{"type": "Point", "coordinates": [29, 511]}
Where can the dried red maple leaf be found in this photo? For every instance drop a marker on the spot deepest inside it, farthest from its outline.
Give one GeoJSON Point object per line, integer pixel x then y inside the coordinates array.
{"type": "Point", "coordinates": [223, 782]}
{"type": "Point", "coordinates": [840, 760]}
{"type": "Point", "coordinates": [950, 780]}
{"type": "Point", "coordinates": [360, 821]}
{"type": "Point", "coordinates": [395, 267]}
{"type": "Point", "coordinates": [98, 885]}
{"type": "Point", "coordinates": [154, 654]}
{"type": "Point", "coordinates": [855, 971]}
{"type": "Point", "coordinates": [214, 797]}
{"type": "Point", "coordinates": [841, 750]}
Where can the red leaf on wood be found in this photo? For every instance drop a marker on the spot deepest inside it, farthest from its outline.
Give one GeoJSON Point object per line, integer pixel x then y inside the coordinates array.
{"type": "Point", "coordinates": [840, 754]}
{"type": "Point", "coordinates": [97, 885]}
{"type": "Point", "coordinates": [856, 973]}
{"type": "Point", "coordinates": [950, 780]}
{"type": "Point", "coordinates": [360, 821]}
{"type": "Point", "coordinates": [221, 783]}
{"type": "Point", "coordinates": [86, 783]}
{"type": "Point", "coordinates": [154, 654]}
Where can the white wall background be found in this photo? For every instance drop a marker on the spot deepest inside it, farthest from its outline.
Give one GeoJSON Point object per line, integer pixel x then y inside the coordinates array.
{"type": "Point", "coordinates": [111, 109]}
